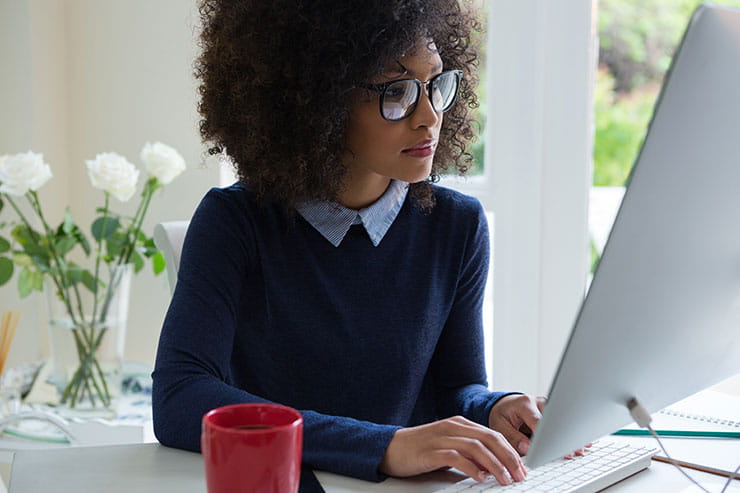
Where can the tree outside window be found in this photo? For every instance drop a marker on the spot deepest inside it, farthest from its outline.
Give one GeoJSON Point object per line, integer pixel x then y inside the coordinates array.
{"type": "Point", "coordinates": [637, 40]}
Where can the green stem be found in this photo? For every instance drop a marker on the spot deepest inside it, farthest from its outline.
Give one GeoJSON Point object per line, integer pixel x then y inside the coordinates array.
{"type": "Point", "coordinates": [79, 302]}
{"type": "Point", "coordinates": [31, 231]}
{"type": "Point", "coordinates": [86, 345]}
{"type": "Point", "coordinates": [97, 258]}
{"type": "Point", "coordinates": [84, 376]}
{"type": "Point", "coordinates": [116, 277]}
{"type": "Point", "coordinates": [150, 188]}
{"type": "Point", "coordinates": [97, 365]}
{"type": "Point", "coordinates": [58, 282]}
{"type": "Point", "coordinates": [72, 387]}
{"type": "Point", "coordinates": [20, 214]}
{"type": "Point", "coordinates": [34, 201]}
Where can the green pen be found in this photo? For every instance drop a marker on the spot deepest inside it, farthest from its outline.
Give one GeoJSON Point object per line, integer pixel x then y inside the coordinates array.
{"type": "Point", "coordinates": [680, 433]}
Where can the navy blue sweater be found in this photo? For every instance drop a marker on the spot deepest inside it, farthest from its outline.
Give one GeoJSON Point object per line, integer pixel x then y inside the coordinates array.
{"type": "Point", "coordinates": [361, 339]}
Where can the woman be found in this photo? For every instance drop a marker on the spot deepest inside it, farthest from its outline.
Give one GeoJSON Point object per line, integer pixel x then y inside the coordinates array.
{"type": "Point", "coordinates": [334, 277]}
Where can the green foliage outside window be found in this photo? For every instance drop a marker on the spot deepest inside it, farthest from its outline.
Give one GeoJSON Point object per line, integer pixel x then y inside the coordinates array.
{"type": "Point", "coordinates": [637, 40]}
{"type": "Point", "coordinates": [620, 123]}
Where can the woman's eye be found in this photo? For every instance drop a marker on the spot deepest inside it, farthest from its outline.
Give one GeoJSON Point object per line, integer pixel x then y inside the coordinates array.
{"type": "Point", "coordinates": [394, 92]}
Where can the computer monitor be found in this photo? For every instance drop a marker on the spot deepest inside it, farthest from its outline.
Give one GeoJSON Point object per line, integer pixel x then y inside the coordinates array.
{"type": "Point", "coordinates": [662, 317]}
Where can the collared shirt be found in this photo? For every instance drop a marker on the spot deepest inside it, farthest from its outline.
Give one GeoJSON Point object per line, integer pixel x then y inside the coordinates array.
{"type": "Point", "coordinates": [333, 220]}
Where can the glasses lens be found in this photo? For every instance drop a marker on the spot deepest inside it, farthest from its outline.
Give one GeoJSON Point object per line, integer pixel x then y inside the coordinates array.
{"type": "Point", "coordinates": [444, 90]}
{"type": "Point", "coordinates": [399, 99]}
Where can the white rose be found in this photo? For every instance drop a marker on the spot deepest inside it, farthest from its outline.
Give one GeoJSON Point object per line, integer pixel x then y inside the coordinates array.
{"type": "Point", "coordinates": [112, 173]}
{"type": "Point", "coordinates": [23, 172]}
{"type": "Point", "coordinates": [162, 161]}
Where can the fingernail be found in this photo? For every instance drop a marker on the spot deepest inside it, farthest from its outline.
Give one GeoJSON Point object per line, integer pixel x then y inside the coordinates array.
{"type": "Point", "coordinates": [523, 447]}
{"type": "Point", "coordinates": [482, 475]}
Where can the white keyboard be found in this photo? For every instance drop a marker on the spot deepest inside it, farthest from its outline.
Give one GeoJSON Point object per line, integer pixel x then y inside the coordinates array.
{"type": "Point", "coordinates": [602, 465]}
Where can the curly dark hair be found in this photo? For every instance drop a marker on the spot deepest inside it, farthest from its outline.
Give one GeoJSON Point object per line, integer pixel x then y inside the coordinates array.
{"type": "Point", "coordinates": [275, 79]}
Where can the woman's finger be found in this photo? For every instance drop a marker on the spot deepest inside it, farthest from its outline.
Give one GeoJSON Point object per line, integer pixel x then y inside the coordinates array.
{"type": "Point", "coordinates": [531, 415]}
{"type": "Point", "coordinates": [494, 441]}
{"type": "Point", "coordinates": [454, 458]}
{"type": "Point", "coordinates": [496, 459]}
{"type": "Point", "coordinates": [518, 440]}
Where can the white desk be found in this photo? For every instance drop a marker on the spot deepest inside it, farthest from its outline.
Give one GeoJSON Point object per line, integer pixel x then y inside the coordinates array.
{"type": "Point", "coordinates": [153, 468]}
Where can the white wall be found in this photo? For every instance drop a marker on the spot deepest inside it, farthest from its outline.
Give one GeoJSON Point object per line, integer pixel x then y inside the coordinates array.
{"type": "Point", "coordinates": [87, 76]}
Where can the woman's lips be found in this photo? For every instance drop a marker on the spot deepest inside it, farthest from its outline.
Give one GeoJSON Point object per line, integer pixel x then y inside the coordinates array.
{"type": "Point", "coordinates": [422, 149]}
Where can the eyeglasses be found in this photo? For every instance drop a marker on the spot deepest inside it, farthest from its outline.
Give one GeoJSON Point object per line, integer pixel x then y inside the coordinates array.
{"type": "Point", "coordinates": [399, 98]}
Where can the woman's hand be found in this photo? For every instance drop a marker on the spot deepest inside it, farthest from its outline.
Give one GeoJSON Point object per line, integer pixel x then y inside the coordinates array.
{"type": "Point", "coordinates": [516, 417]}
{"type": "Point", "coordinates": [453, 442]}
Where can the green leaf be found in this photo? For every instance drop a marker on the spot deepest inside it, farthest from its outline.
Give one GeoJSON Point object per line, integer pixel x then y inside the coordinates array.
{"type": "Point", "coordinates": [25, 282]}
{"type": "Point", "coordinates": [41, 262]}
{"type": "Point", "coordinates": [32, 242]}
{"type": "Point", "coordinates": [89, 281]}
{"type": "Point", "coordinates": [65, 244]}
{"type": "Point", "coordinates": [68, 226]}
{"type": "Point", "coordinates": [38, 281]}
{"type": "Point", "coordinates": [137, 261]}
{"type": "Point", "coordinates": [147, 247]}
{"type": "Point", "coordinates": [158, 263]}
{"type": "Point", "coordinates": [80, 237]}
{"type": "Point", "coordinates": [115, 243]}
{"type": "Point", "coordinates": [103, 227]}
{"type": "Point", "coordinates": [22, 260]}
{"type": "Point", "coordinates": [2, 204]}
{"type": "Point", "coordinates": [4, 245]}
{"type": "Point", "coordinates": [21, 234]}
{"type": "Point", "coordinates": [6, 270]}
{"type": "Point", "coordinates": [73, 275]}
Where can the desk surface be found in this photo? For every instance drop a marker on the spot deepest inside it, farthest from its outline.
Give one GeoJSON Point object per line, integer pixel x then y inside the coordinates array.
{"type": "Point", "coordinates": [154, 468]}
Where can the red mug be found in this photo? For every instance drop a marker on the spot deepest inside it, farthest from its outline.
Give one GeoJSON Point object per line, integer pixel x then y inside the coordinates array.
{"type": "Point", "coordinates": [252, 448]}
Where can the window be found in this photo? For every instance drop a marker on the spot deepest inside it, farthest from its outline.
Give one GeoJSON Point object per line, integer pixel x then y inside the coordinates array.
{"type": "Point", "coordinates": [637, 41]}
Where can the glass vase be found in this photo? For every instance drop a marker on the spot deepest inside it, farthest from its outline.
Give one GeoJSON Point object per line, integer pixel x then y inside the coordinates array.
{"type": "Point", "coordinates": [87, 332]}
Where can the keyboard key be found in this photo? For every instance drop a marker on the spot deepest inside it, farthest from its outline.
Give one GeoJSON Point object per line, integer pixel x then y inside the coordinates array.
{"type": "Point", "coordinates": [603, 460]}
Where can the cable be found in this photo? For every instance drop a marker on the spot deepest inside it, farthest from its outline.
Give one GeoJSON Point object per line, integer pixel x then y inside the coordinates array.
{"type": "Point", "coordinates": [675, 464]}
{"type": "Point", "coordinates": [734, 475]}
{"type": "Point", "coordinates": [643, 419]}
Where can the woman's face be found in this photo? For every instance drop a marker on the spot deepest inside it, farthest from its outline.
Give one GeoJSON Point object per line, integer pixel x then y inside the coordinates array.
{"type": "Point", "coordinates": [379, 150]}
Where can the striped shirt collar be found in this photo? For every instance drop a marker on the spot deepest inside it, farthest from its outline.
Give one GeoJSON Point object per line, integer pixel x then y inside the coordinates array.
{"type": "Point", "coordinates": [333, 220]}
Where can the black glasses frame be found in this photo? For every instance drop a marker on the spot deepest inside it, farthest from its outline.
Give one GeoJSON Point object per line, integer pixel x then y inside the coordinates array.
{"type": "Point", "coordinates": [381, 88]}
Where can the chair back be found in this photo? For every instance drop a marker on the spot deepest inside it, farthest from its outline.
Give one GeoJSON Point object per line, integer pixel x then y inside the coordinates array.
{"type": "Point", "coordinates": [168, 237]}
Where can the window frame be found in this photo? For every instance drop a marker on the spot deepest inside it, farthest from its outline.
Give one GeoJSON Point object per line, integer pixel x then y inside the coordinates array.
{"type": "Point", "coordinates": [542, 59]}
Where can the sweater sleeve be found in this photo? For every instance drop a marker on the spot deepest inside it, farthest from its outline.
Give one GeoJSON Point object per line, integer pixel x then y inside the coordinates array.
{"type": "Point", "coordinates": [458, 364]}
{"type": "Point", "coordinates": [192, 371]}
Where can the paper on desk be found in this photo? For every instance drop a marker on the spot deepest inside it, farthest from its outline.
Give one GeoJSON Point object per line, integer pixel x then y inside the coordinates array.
{"type": "Point", "coordinates": [721, 453]}
{"type": "Point", "coordinates": [711, 403]}
{"type": "Point", "coordinates": [707, 410]}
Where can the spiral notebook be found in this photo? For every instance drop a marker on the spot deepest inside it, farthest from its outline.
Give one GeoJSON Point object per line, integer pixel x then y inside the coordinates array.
{"type": "Point", "coordinates": [708, 411]}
